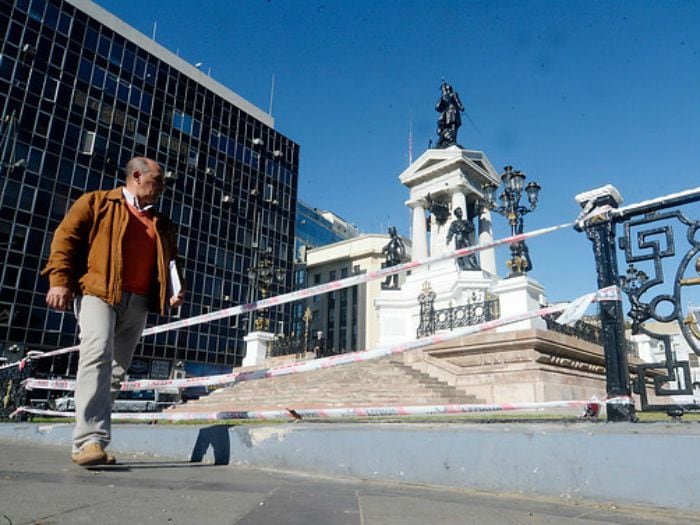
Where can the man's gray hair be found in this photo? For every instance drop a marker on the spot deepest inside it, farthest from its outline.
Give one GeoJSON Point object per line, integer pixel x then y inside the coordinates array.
{"type": "Point", "coordinates": [137, 164]}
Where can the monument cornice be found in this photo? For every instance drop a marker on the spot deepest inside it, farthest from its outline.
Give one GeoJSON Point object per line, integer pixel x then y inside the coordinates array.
{"type": "Point", "coordinates": [438, 162]}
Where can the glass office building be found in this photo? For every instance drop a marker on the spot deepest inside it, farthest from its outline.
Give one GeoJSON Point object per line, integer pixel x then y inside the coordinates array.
{"type": "Point", "coordinates": [314, 228]}
{"type": "Point", "coordinates": [81, 92]}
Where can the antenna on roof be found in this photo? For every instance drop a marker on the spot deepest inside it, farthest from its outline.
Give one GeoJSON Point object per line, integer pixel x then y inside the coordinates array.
{"type": "Point", "coordinates": [155, 28]}
{"type": "Point", "coordinates": [410, 139]}
{"type": "Point", "coordinates": [272, 94]}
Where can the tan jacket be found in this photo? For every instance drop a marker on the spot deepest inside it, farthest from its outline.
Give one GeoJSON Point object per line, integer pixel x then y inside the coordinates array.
{"type": "Point", "coordinates": [86, 251]}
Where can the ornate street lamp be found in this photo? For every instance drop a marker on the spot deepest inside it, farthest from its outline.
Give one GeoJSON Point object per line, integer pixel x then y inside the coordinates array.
{"type": "Point", "coordinates": [510, 208]}
{"type": "Point", "coordinates": [308, 317]}
{"type": "Point", "coordinates": [261, 278]}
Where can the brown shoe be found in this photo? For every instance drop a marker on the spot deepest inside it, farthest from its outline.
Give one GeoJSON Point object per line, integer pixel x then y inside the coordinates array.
{"type": "Point", "coordinates": [91, 454]}
{"type": "Point", "coordinates": [111, 460]}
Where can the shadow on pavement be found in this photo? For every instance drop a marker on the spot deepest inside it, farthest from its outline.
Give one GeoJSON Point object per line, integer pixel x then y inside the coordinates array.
{"type": "Point", "coordinates": [142, 465]}
{"type": "Point", "coordinates": [217, 437]}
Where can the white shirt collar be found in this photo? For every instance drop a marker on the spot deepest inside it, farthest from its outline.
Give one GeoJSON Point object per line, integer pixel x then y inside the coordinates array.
{"type": "Point", "coordinates": [131, 199]}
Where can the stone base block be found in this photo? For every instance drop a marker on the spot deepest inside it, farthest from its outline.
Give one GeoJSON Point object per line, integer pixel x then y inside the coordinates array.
{"type": "Point", "coordinates": [524, 366]}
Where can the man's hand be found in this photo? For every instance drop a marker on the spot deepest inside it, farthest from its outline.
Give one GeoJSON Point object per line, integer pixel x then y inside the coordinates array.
{"type": "Point", "coordinates": [59, 297]}
{"type": "Point", "coordinates": [177, 300]}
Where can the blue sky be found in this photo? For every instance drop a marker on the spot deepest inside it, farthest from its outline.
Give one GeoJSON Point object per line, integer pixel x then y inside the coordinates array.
{"type": "Point", "coordinates": [575, 94]}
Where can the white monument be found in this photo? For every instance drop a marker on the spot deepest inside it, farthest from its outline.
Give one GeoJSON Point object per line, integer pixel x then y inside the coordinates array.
{"type": "Point", "coordinates": [439, 182]}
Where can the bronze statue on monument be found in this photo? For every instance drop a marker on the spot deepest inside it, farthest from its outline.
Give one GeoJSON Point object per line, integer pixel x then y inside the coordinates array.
{"type": "Point", "coordinates": [395, 251]}
{"type": "Point", "coordinates": [462, 229]}
{"type": "Point", "coordinates": [450, 108]}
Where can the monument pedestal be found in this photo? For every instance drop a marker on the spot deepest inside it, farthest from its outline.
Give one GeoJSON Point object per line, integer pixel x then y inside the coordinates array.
{"type": "Point", "coordinates": [256, 344]}
{"type": "Point", "coordinates": [399, 310]}
{"type": "Point", "coordinates": [523, 366]}
{"type": "Point", "coordinates": [518, 295]}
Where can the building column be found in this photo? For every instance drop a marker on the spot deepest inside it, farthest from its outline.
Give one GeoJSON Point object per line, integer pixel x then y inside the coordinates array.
{"type": "Point", "coordinates": [487, 257]}
{"type": "Point", "coordinates": [419, 232]}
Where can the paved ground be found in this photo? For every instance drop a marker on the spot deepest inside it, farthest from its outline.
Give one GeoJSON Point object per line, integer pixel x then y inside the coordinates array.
{"type": "Point", "coordinates": [39, 485]}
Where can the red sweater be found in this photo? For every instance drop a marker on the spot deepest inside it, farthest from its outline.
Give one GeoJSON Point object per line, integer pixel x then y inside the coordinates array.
{"type": "Point", "coordinates": [139, 252]}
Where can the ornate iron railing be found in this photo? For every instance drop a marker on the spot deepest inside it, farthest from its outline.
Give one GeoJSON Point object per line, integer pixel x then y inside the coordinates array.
{"type": "Point", "coordinates": [658, 283]}
{"type": "Point", "coordinates": [469, 314]}
{"type": "Point", "coordinates": [290, 345]}
{"type": "Point", "coordinates": [581, 329]}
{"type": "Point", "coordinates": [12, 392]}
{"type": "Point", "coordinates": [466, 315]}
{"type": "Point", "coordinates": [298, 346]}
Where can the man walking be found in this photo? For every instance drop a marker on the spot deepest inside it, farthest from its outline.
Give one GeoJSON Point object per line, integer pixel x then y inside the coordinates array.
{"type": "Point", "coordinates": [111, 253]}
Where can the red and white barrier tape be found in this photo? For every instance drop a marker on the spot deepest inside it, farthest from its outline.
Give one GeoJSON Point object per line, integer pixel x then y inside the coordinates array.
{"type": "Point", "coordinates": [359, 279]}
{"type": "Point", "coordinates": [605, 294]}
{"type": "Point", "coordinates": [324, 288]}
{"type": "Point", "coordinates": [320, 289]}
{"type": "Point", "coordinates": [592, 410]}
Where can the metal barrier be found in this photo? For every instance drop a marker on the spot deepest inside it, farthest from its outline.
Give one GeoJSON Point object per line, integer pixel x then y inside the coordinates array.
{"type": "Point", "coordinates": [12, 392]}
{"type": "Point", "coordinates": [584, 330]}
{"type": "Point", "coordinates": [291, 345]}
{"type": "Point", "coordinates": [470, 314]}
{"type": "Point", "coordinates": [647, 240]}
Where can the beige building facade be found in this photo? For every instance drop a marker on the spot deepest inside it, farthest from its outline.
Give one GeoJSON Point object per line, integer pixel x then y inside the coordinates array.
{"type": "Point", "coordinates": [347, 318]}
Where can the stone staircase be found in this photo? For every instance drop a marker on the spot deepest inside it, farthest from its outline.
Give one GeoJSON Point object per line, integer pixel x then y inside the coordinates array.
{"type": "Point", "coordinates": [381, 382]}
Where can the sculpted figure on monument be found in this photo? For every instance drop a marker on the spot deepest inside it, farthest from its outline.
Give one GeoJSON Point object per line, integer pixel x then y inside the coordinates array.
{"type": "Point", "coordinates": [395, 252]}
{"type": "Point", "coordinates": [449, 106]}
{"type": "Point", "coordinates": [462, 229]}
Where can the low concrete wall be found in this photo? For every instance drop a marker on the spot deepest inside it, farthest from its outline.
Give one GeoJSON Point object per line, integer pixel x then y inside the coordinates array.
{"type": "Point", "coordinates": [650, 464]}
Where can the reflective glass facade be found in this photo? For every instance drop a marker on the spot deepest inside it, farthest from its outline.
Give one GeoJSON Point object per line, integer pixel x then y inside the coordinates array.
{"type": "Point", "coordinates": [313, 229]}
{"type": "Point", "coordinates": [80, 94]}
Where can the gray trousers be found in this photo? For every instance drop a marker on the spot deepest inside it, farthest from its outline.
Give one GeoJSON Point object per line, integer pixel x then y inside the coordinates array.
{"type": "Point", "coordinates": [108, 337]}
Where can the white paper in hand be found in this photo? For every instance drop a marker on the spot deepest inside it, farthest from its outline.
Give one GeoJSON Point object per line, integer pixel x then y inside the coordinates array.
{"type": "Point", "coordinates": [175, 284]}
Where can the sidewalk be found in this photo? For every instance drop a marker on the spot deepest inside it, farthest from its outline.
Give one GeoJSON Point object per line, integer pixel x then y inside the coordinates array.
{"type": "Point", "coordinates": [359, 473]}
{"type": "Point", "coordinates": [38, 484]}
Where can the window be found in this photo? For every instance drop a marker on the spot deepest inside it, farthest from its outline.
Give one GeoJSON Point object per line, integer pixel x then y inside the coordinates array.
{"type": "Point", "coordinates": [7, 65]}
{"type": "Point", "coordinates": [79, 99]}
{"type": "Point", "coordinates": [85, 70]}
{"type": "Point", "coordinates": [87, 143]}
{"type": "Point", "coordinates": [268, 193]}
{"type": "Point", "coordinates": [187, 124]}
{"type": "Point", "coordinates": [26, 201]}
{"type": "Point", "coordinates": [50, 89]}
{"type": "Point", "coordinates": [106, 114]}
{"type": "Point", "coordinates": [64, 23]}
{"type": "Point", "coordinates": [123, 91]}
{"type": "Point", "coordinates": [192, 157]}
{"type": "Point", "coordinates": [103, 46]}
{"type": "Point", "coordinates": [42, 124]}
{"type": "Point", "coordinates": [91, 39]}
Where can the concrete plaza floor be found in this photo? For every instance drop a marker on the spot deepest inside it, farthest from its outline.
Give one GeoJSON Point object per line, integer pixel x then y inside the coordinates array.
{"type": "Point", "coordinates": [357, 473]}
{"type": "Point", "coordinates": [39, 485]}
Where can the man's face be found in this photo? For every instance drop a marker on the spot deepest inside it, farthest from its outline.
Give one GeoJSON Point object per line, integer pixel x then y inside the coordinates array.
{"type": "Point", "coordinates": [150, 184]}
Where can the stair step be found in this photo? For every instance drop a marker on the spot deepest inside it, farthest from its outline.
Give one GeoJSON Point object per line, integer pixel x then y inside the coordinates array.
{"type": "Point", "coordinates": [382, 382]}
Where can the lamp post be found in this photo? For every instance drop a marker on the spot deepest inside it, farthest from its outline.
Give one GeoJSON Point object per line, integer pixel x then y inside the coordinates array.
{"type": "Point", "coordinates": [510, 208]}
{"type": "Point", "coordinates": [261, 276]}
{"type": "Point", "coordinates": [308, 317]}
